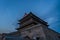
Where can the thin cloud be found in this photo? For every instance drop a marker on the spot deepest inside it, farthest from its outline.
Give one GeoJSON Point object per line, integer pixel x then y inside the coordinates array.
{"type": "Point", "coordinates": [51, 20]}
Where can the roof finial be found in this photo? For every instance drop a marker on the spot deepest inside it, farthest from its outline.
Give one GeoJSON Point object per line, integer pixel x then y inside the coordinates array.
{"type": "Point", "coordinates": [25, 14]}
{"type": "Point", "coordinates": [30, 12]}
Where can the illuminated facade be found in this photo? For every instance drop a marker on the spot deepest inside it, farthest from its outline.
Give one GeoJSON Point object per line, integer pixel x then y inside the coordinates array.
{"type": "Point", "coordinates": [32, 27]}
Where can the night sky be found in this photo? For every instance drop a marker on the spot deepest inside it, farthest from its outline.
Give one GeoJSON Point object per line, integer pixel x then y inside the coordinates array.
{"type": "Point", "coordinates": [13, 10]}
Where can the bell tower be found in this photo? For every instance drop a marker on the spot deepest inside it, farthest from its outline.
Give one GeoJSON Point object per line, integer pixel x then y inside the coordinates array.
{"type": "Point", "coordinates": [30, 25]}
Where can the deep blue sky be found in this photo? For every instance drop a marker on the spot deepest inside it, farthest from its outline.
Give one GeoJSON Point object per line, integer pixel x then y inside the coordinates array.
{"type": "Point", "coordinates": [13, 10]}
